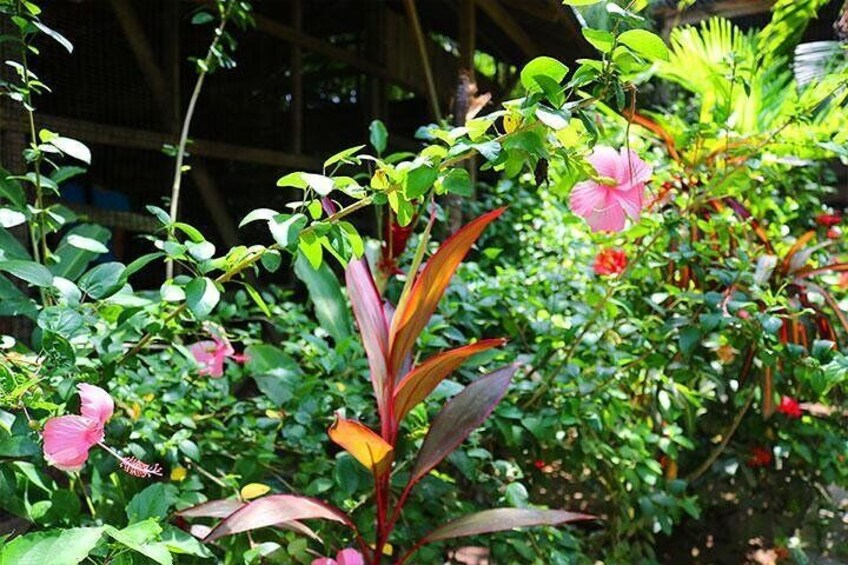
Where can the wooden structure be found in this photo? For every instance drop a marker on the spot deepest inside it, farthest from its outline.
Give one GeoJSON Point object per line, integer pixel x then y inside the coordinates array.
{"type": "Point", "coordinates": [310, 77]}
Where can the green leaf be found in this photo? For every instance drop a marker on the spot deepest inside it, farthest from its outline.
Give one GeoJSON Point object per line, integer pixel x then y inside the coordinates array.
{"type": "Point", "coordinates": [599, 39]}
{"type": "Point", "coordinates": [201, 18]}
{"type": "Point", "coordinates": [72, 148]}
{"type": "Point", "coordinates": [56, 547]}
{"type": "Point", "coordinates": [103, 280]}
{"type": "Point", "coordinates": [58, 37]}
{"type": "Point", "coordinates": [357, 246]}
{"type": "Point", "coordinates": [141, 537]}
{"type": "Point", "coordinates": [257, 299]}
{"type": "Point", "coordinates": [86, 243]}
{"type": "Point", "coordinates": [292, 179]}
{"type": "Point", "coordinates": [61, 320]}
{"type": "Point", "coordinates": [10, 218]}
{"type": "Point", "coordinates": [321, 184]}
{"type": "Point", "coordinates": [580, 2]}
{"type": "Point", "coordinates": [458, 181]}
{"type": "Point", "coordinates": [258, 214]}
{"type": "Point", "coordinates": [645, 43]}
{"type": "Point", "coordinates": [419, 180]}
{"type": "Point", "coordinates": [285, 229]}
{"type": "Point", "coordinates": [11, 190]}
{"type": "Point", "coordinates": [190, 231]}
{"type": "Point", "coordinates": [201, 251]}
{"type": "Point", "coordinates": [11, 247]}
{"type": "Point", "coordinates": [327, 298]}
{"type": "Point", "coordinates": [153, 502]}
{"type": "Point", "coordinates": [343, 156]}
{"type": "Point", "coordinates": [542, 67]}
{"type": "Point", "coordinates": [29, 271]}
{"type": "Point", "coordinates": [379, 136]}
{"type": "Point", "coordinates": [202, 296]}
{"type": "Point", "coordinates": [311, 248]}
{"type": "Point", "coordinates": [276, 374]}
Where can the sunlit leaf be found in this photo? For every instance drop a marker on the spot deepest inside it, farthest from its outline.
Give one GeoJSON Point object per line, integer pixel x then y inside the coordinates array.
{"type": "Point", "coordinates": [365, 445]}
{"type": "Point", "coordinates": [415, 309]}
{"type": "Point", "coordinates": [422, 380]}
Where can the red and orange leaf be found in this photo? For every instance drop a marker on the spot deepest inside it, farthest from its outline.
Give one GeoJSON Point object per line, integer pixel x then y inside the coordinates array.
{"type": "Point", "coordinates": [228, 506]}
{"type": "Point", "coordinates": [415, 309]}
{"type": "Point", "coordinates": [460, 416]}
{"type": "Point", "coordinates": [802, 241]}
{"type": "Point", "coordinates": [422, 380]}
{"type": "Point", "coordinates": [502, 519]}
{"type": "Point", "coordinates": [212, 509]}
{"type": "Point", "coordinates": [368, 309]}
{"type": "Point", "coordinates": [273, 510]}
{"type": "Point", "coordinates": [365, 445]}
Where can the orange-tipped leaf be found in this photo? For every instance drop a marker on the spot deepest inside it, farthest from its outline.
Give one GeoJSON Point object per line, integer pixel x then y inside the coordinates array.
{"type": "Point", "coordinates": [422, 380]}
{"type": "Point", "coordinates": [415, 309]}
{"type": "Point", "coordinates": [363, 444]}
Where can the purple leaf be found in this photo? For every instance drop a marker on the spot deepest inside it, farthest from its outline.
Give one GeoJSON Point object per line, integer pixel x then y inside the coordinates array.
{"type": "Point", "coordinates": [225, 507]}
{"type": "Point", "coordinates": [212, 509]}
{"type": "Point", "coordinates": [460, 416]}
{"type": "Point", "coordinates": [273, 510]}
{"type": "Point", "coordinates": [368, 309]}
{"type": "Point", "coordinates": [501, 519]}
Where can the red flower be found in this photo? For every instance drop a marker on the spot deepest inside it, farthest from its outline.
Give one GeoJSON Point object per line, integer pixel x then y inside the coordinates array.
{"type": "Point", "coordinates": [610, 262]}
{"type": "Point", "coordinates": [760, 457]}
{"type": "Point", "coordinates": [828, 220]}
{"type": "Point", "coordinates": [790, 407]}
{"type": "Point", "coordinates": [539, 464]}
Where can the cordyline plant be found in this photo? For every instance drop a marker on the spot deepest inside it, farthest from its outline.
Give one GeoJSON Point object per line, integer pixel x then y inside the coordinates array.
{"type": "Point", "coordinates": [389, 336]}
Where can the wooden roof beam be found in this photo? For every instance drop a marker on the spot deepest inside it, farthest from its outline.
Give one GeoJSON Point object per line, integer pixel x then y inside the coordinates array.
{"type": "Point", "coordinates": [510, 27]}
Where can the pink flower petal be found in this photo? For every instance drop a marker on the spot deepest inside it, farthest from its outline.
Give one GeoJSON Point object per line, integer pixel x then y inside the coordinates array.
{"type": "Point", "coordinates": [324, 561]}
{"type": "Point", "coordinates": [630, 200]}
{"type": "Point", "coordinates": [223, 346]}
{"type": "Point", "coordinates": [209, 356]}
{"type": "Point", "coordinates": [67, 440]}
{"type": "Point", "coordinates": [96, 403]}
{"type": "Point", "coordinates": [349, 556]}
{"type": "Point", "coordinates": [607, 161]}
{"type": "Point", "coordinates": [610, 219]}
{"type": "Point", "coordinates": [587, 197]}
{"type": "Point", "coordinates": [633, 170]}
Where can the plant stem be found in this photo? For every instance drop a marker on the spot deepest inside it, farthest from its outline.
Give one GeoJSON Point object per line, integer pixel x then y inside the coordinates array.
{"type": "Point", "coordinates": [38, 241]}
{"type": "Point", "coordinates": [181, 147]}
{"type": "Point", "coordinates": [734, 425]}
{"type": "Point", "coordinates": [596, 314]}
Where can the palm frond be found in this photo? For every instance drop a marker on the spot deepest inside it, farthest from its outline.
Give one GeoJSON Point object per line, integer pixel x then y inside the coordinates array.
{"type": "Point", "coordinates": [788, 23]}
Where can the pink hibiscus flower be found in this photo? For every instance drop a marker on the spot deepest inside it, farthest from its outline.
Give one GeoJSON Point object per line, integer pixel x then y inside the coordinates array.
{"type": "Point", "coordinates": [68, 439]}
{"type": "Point", "coordinates": [605, 202]}
{"type": "Point", "coordinates": [210, 355]}
{"type": "Point", "coordinates": [344, 557]}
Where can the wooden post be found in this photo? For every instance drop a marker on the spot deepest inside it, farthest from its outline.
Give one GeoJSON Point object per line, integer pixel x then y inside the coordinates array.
{"type": "Point", "coordinates": [296, 68]}
{"type": "Point", "coordinates": [467, 34]}
{"type": "Point", "coordinates": [421, 42]}
{"type": "Point", "coordinates": [376, 50]}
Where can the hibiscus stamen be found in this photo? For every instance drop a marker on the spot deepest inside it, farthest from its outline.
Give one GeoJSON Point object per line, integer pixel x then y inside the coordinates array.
{"type": "Point", "coordinates": [133, 465]}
